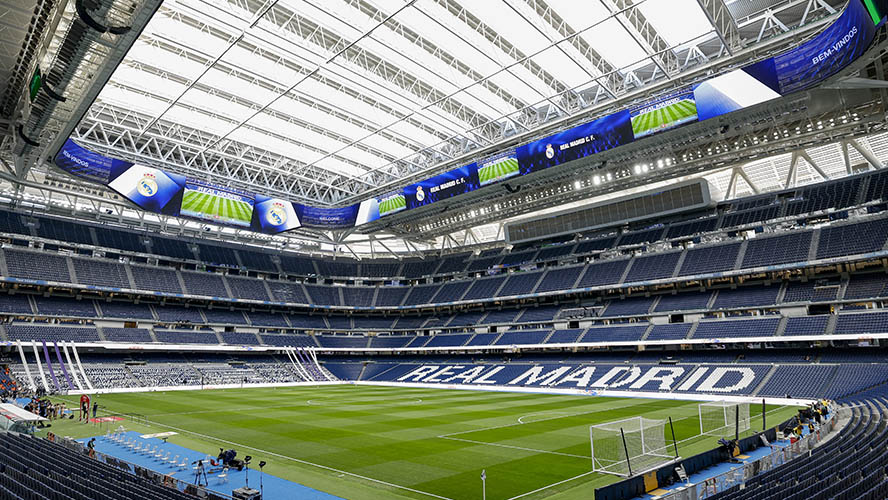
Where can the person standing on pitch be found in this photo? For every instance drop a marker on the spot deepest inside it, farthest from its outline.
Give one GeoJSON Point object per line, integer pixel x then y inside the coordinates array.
{"type": "Point", "coordinates": [84, 407]}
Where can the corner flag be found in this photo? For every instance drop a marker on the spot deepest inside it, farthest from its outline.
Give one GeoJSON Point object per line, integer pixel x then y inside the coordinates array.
{"type": "Point", "coordinates": [484, 484]}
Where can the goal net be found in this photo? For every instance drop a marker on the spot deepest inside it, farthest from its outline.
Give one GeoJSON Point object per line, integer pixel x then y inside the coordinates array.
{"type": "Point", "coordinates": [628, 447]}
{"type": "Point", "coordinates": [723, 418]}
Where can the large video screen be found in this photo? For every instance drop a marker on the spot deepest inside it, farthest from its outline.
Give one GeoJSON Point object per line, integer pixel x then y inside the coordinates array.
{"type": "Point", "coordinates": [497, 168]}
{"type": "Point", "coordinates": [323, 217]}
{"type": "Point", "coordinates": [150, 188]}
{"type": "Point", "coordinates": [215, 204]}
{"type": "Point", "coordinates": [664, 114]}
{"type": "Point", "coordinates": [273, 215]}
{"type": "Point", "coordinates": [81, 162]}
{"type": "Point", "coordinates": [834, 48]}
{"type": "Point", "coordinates": [730, 92]}
{"type": "Point", "coordinates": [455, 182]}
{"type": "Point", "coordinates": [392, 203]}
{"type": "Point", "coordinates": [584, 140]}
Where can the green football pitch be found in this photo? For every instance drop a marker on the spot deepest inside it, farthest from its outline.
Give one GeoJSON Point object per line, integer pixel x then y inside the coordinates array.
{"type": "Point", "coordinates": [646, 123]}
{"type": "Point", "coordinates": [392, 204]}
{"type": "Point", "coordinates": [371, 442]}
{"type": "Point", "coordinates": [506, 167]}
{"type": "Point", "coordinates": [226, 208]}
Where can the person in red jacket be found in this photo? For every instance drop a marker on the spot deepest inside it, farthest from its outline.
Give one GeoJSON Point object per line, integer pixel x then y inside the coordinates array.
{"type": "Point", "coordinates": [84, 408]}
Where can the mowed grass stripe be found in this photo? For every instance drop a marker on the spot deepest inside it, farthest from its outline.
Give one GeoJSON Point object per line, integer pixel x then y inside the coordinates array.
{"type": "Point", "coordinates": [392, 204]}
{"type": "Point", "coordinates": [190, 199]}
{"type": "Point", "coordinates": [382, 433]}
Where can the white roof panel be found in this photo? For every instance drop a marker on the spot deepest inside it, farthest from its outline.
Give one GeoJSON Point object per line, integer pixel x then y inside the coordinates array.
{"type": "Point", "coordinates": [371, 90]}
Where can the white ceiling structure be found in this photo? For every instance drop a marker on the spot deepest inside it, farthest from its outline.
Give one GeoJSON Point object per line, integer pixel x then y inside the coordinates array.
{"type": "Point", "coordinates": [328, 101]}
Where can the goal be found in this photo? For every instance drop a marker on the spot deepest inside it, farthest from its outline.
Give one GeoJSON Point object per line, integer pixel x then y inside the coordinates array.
{"type": "Point", "coordinates": [630, 446]}
{"type": "Point", "coordinates": [723, 418]}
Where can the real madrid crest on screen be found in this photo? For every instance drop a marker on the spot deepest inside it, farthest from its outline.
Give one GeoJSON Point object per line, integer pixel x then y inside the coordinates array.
{"type": "Point", "coordinates": [147, 185]}
{"type": "Point", "coordinates": [277, 214]}
{"type": "Point", "coordinates": [550, 151]}
{"type": "Point", "coordinates": [420, 194]}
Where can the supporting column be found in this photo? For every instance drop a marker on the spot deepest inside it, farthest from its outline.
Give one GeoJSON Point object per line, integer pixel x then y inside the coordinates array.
{"type": "Point", "coordinates": [866, 153]}
{"type": "Point", "coordinates": [80, 366]}
{"type": "Point", "coordinates": [296, 365]}
{"type": "Point", "coordinates": [73, 370]}
{"type": "Point", "coordinates": [315, 358]}
{"type": "Point", "coordinates": [303, 361]}
{"type": "Point", "coordinates": [31, 384]}
{"type": "Point", "coordinates": [62, 364]}
{"type": "Point", "coordinates": [55, 380]}
{"type": "Point", "coordinates": [39, 365]}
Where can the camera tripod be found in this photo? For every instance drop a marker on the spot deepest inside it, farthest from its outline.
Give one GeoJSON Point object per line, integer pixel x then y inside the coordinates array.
{"type": "Point", "coordinates": [200, 474]}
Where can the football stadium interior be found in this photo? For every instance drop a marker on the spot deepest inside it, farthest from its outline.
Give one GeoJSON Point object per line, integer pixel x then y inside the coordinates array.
{"type": "Point", "coordinates": [443, 249]}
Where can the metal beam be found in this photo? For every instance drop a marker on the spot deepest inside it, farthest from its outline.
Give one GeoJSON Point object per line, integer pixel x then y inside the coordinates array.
{"type": "Point", "coordinates": [101, 66]}
{"type": "Point", "coordinates": [644, 33]}
{"type": "Point", "coordinates": [723, 23]}
{"type": "Point", "coordinates": [540, 15]}
{"type": "Point", "coordinates": [866, 153]}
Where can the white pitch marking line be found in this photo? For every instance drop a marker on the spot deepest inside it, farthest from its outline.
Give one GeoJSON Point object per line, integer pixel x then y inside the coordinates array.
{"type": "Point", "coordinates": [536, 421]}
{"type": "Point", "coordinates": [521, 421]}
{"type": "Point", "coordinates": [297, 460]}
{"type": "Point", "coordinates": [553, 484]}
{"type": "Point", "coordinates": [591, 472]}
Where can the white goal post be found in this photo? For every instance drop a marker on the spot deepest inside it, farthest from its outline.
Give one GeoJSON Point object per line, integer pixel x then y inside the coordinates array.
{"type": "Point", "coordinates": [629, 447]}
{"type": "Point", "coordinates": [724, 418]}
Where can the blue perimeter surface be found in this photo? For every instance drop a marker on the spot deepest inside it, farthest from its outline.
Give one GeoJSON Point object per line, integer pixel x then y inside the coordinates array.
{"type": "Point", "coordinates": [273, 487]}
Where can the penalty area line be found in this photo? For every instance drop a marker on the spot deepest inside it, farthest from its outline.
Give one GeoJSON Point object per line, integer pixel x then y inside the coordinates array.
{"type": "Point", "coordinates": [522, 417]}
{"type": "Point", "coordinates": [552, 485]}
{"type": "Point", "coordinates": [299, 460]}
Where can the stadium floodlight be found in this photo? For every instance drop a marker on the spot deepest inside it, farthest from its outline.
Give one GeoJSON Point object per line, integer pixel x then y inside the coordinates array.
{"type": "Point", "coordinates": [723, 418]}
{"type": "Point", "coordinates": [630, 446]}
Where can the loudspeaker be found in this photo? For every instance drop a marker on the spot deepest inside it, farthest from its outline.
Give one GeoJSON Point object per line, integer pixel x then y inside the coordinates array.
{"type": "Point", "coordinates": [246, 493]}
